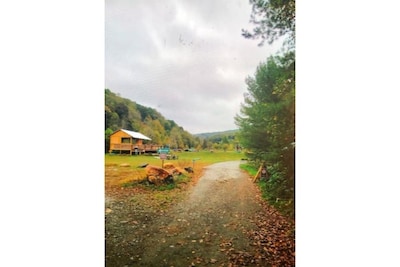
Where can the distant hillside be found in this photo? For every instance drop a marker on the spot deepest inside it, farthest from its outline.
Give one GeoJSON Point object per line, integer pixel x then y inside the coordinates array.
{"type": "Point", "coordinates": [127, 114]}
{"type": "Point", "coordinates": [226, 140]}
{"type": "Point", "coordinates": [217, 134]}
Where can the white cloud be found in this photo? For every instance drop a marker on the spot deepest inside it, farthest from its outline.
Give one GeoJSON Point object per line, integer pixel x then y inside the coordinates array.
{"type": "Point", "coordinates": [187, 59]}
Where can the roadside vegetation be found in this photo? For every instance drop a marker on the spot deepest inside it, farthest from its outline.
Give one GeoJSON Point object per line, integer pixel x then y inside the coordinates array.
{"type": "Point", "coordinates": [267, 117]}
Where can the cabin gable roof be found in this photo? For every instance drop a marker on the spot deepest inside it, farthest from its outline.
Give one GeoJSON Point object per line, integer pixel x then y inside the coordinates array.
{"type": "Point", "coordinates": [133, 134]}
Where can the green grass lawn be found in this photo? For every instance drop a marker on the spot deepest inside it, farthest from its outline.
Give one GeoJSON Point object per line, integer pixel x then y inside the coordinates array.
{"type": "Point", "coordinates": [121, 169]}
{"type": "Point", "coordinates": [248, 168]}
{"type": "Point", "coordinates": [205, 157]}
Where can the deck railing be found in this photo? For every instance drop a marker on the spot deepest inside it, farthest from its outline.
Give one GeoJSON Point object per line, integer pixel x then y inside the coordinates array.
{"type": "Point", "coordinates": [132, 147]}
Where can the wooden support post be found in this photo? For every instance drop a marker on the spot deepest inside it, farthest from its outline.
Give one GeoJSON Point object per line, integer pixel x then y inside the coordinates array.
{"type": "Point", "coordinates": [163, 156]}
{"type": "Point", "coordinates": [257, 174]}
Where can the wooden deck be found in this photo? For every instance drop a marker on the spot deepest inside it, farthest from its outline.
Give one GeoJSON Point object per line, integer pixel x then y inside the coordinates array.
{"type": "Point", "coordinates": [133, 148]}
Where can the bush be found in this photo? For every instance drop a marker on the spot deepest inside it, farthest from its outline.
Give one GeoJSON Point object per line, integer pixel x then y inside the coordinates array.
{"type": "Point", "coordinates": [278, 189]}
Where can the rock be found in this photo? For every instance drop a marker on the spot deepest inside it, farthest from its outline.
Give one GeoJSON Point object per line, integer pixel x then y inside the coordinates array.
{"type": "Point", "coordinates": [180, 170]}
{"type": "Point", "coordinates": [189, 169]}
{"type": "Point", "coordinates": [169, 166]}
{"type": "Point", "coordinates": [143, 165]}
{"type": "Point", "coordinates": [154, 179]}
{"type": "Point", "coordinates": [157, 175]}
{"type": "Point", "coordinates": [172, 169]}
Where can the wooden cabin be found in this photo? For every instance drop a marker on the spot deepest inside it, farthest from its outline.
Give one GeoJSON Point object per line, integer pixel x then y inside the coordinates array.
{"type": "Point", "coordinates": [130, 142]}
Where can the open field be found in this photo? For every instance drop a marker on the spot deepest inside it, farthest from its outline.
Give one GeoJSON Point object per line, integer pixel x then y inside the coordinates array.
{"type": "Point", "coordinates": [122, 169]}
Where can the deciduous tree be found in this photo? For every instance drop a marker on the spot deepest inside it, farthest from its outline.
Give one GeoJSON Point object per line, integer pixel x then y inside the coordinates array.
{"type": "Point", "coordinates": [273, 19]}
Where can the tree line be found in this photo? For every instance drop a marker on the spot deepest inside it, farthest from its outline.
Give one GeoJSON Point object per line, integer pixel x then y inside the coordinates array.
{"type": "Point", "coordinates": [126, 114]}
{"type": "Point", "coordinates": [267, 117]}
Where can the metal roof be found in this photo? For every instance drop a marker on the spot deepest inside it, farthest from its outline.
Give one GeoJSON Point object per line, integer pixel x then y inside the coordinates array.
{"type": "Point", "coordinates": [136, 134]}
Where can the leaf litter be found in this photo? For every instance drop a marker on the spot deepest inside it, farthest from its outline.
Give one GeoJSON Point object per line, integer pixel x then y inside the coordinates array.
{"type": "Point", "coordinates": [207, 223]}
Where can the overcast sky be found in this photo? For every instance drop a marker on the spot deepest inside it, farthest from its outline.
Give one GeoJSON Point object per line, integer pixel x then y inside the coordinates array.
{"type": "Point", "coordinates": [187, 59]}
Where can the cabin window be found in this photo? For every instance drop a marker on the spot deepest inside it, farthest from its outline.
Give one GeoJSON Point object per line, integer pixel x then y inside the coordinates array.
{"type": "Point", "coordinates": [125, 140]}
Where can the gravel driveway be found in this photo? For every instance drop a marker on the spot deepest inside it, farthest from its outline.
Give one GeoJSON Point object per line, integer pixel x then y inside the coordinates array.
{"type": "Point", "coordinates": [209, 225]}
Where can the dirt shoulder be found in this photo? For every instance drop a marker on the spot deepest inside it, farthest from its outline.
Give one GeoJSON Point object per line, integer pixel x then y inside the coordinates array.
{"type": "Point", "coordinates": [220, 221]}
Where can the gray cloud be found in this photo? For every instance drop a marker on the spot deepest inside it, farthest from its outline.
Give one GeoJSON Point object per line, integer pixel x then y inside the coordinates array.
{"type": "Point", "coordinates": [187, 59]}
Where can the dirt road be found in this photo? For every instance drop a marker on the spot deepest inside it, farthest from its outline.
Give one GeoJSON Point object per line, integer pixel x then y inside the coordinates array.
{"type": "Point", "coordinates": [211, 225]}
